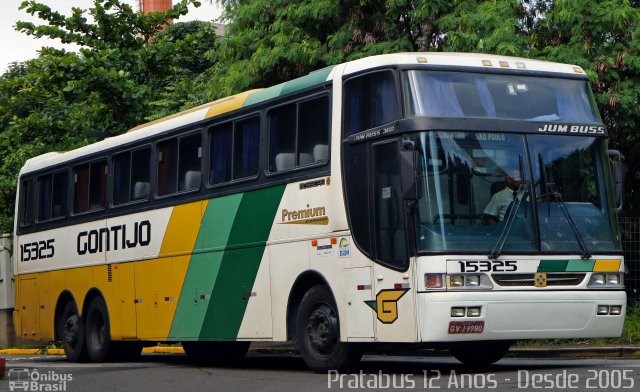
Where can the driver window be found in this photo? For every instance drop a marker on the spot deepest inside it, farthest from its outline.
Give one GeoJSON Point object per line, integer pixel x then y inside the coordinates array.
{"type": "Point", "coordinates": [390, 233]}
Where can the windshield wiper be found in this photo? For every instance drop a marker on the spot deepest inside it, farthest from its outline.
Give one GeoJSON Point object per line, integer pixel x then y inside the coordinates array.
{"type": "Point", "coordinates": [523, 192]}
{"type": "Point", "coordinates": [553, 191]}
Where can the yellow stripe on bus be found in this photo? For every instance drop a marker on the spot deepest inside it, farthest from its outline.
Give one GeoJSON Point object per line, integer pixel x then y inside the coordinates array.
{"type": "Point", "coordinates": [229, 104]}
{"type": "Point", "coordinates": [607, 265]}
{"type": "Point", "coordinates": [182, 230]}
{"type": "Point", "coordinates": [159, 281]}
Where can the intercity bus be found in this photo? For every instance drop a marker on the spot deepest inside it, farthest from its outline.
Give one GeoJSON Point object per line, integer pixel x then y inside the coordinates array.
{"type": "Point", "coordinates": [459, 201]}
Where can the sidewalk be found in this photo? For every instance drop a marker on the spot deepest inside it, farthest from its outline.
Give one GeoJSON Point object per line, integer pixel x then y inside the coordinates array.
{"type": "Point", "coordinates": [538, 352]}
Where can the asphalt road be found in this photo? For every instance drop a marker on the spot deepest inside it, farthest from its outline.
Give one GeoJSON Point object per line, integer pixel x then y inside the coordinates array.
{"type": "Point", "coordinates": [284, 372]}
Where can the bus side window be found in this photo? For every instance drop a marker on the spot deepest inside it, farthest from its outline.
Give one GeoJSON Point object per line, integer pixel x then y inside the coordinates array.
{"type": "Point", "coordinates": [90, 187]}
{"type": "Point", "coordinates": [235, 150]}
{"type": "Point", "coordinates": [121, 178]}
{"type": "Point", "coordinates": [313, 130]}
{"type": "Point", "coordinates": [140, 174]}
{"type": "Point", "coordinates": [369, 101]}
{"type": "Point", "coordinates": [299, 134]}
{"type": "Point", "coordinates": [220, 145]}
{"type": "Point", "coordinates": [167, 167]}
{"type": "Point", "coordinates": [52, 196]}
{"type": "Point", "coordinates": [44, 198]}
{"type": "Point", "coordinates": [98, 186]}
{"type": "Point", "coordinates": [189, 165]}
{"type": "Point", "coordinates": [179, 164]}
{"type": "Point", "coordinates": [282, 138]}
{"type": "Point", "coordinates": [246, 148]}
{"type": "Point", "coordinates": [26, 206]}
{"type": "Point", "coordinates": [131, 172]}
{"type": "Point", "coordinates": [59, 198]}
{"type": "Point", "coordinates": [81, 189]}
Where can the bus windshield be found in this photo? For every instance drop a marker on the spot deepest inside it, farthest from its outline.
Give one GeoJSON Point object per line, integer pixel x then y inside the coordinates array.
{"type": "Point", "coordinates": [495, 96]}
{"type": "Point", "coordinates": [470, 181]}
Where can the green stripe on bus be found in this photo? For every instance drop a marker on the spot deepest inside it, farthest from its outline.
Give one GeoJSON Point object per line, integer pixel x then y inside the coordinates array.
{"type": "Point", "coordinates": [313, 79]}
{"type": "Point", "coordinates": [263, 95]}
{"type": "Point", "coordinates": [580, 265]}
{"type": "Point", "coordinates": [552, 265]}
{"type": "Point", "coordinates": [240, 264]}
{"type": "Point", "coordinates": [204, 267]}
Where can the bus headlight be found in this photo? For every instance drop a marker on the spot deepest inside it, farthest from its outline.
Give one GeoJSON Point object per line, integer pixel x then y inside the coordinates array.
{"type": "Point", "coordinates": [469, 281]}
{"type": "Point", "coordinates": [615, 310]}
{"type": "Point", "coordinates": [597, 279]}
{"type": "Point", "coordinates": [456, 280]}
{"type": "Point", "coordinates": [613, 279]}
{"type": "Point", "coordinates": [433, 281]}
{"type": "Point", "coordinates": [473, 280]}
{"type": "Point", "coordinates": [606, 281]}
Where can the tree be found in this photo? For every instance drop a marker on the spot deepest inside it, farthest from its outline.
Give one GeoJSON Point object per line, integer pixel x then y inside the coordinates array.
{"type": "Point", "coordinates": [270, 41]}
{"type": "Point", "coordinates": [62, 100]}
{"type": "Point", "coordinates": [273, 41]}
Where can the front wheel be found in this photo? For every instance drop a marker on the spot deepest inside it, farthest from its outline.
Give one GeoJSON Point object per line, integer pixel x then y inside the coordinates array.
{"type": "Point", "coordinates": [98, 335]}
{"type": "Point", "coordinates": [71, 329]}
{"type": "Point", "coordinates": [318, 333]}
{"type": "Point", "coordinates": [480, 353]}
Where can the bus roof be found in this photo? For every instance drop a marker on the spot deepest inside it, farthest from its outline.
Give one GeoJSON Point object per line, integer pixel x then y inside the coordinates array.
{"type": "Point", "coordinates": [253, 97]}
{"type": "Point", "coordinates": [471, 60]}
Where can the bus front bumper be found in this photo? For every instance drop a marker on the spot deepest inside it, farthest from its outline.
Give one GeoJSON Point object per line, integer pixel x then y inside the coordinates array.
{"type": "Point", "coordinates": [516, 315]}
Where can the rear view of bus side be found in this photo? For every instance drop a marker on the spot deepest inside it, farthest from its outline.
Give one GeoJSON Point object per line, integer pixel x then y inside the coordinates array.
{"type": "Point", "coordinates": [449, 200]}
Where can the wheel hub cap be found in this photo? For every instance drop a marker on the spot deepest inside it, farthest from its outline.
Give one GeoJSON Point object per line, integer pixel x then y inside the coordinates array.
{"type": "Point", "coordinates": [322, 330]}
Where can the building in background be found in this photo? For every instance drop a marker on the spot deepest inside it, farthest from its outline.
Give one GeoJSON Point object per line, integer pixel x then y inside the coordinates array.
{"type": "Point", "coordinates": [148, 6]}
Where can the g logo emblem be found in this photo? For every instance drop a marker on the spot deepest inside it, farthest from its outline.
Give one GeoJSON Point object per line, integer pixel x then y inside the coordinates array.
{"type": "Point", "coordinates": [386, 304]}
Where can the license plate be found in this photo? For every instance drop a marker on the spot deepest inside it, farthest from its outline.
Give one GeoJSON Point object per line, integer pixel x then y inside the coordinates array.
{"type": "Point", "coordinates": [458, 327]}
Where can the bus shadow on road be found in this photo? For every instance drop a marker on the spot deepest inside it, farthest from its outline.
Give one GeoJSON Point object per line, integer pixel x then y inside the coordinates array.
{"type": "Point", "coordinates": [369, 364]}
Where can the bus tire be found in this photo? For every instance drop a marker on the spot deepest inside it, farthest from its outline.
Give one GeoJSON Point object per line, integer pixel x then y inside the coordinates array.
{"type": "Point", "coordinates": [478, 354]}
{"type": "Point", "coordinates": [318, 333]}
{"type": "Point", "coordinates": [71, 329]}
{"type": "Point", "coordinates": [98, 332]}
{"type": "Point", "coordinates": [215, 352]}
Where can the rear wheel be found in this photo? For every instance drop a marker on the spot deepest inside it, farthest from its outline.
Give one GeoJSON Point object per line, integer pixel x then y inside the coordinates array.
{"type": "Point", "coordinates": [318, 333]}
{"type": "Point", "coordinates": [480, 353]}
{"type": "Point", "coordinates": [216, 352]}
{"type": "Point", "coordinates": [98, 333]}
{"type": "Point", "coordinates": [71, 329]}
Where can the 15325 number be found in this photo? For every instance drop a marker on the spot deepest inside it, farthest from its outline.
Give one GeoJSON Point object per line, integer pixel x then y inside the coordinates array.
{"type": "Point", "coordinates": [488, 266]}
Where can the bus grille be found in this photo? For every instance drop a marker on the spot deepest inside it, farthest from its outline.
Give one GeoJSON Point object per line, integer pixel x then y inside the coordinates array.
{"type": "Point", "coordinates": [528, 280]}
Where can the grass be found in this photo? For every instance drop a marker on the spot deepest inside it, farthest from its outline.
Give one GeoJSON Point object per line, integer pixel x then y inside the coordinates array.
{"type": "Point", "coordinates": [630, 335]}
{"type": "Point", "coordinates": [631, 330]}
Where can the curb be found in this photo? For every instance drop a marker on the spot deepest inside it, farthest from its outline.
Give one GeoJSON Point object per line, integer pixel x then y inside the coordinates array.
{"type": "Point", "coordinates": [515, 352]}
{"type": "Point", "coordinates": [163, 350]}
{"type": "Point", "coordinates": [59, 351]}
{"type": "Point", "coordinates": [575, 352]}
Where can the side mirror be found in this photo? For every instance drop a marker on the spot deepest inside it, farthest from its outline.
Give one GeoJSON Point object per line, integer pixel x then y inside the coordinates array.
{"type": "Point", "coordinates": [617, 171]}
{"type": "Point", "coordinates": [409, 169]}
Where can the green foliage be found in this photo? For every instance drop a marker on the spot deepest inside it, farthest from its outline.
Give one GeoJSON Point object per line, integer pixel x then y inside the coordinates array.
{"type": "Point", "coordinates": [62, 100]}
{"type": "Point", "coordinates": [273, 41]}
